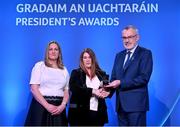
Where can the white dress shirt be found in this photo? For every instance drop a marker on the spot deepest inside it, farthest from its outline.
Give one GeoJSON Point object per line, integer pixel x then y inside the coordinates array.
{"type": "Point", "coordinates": [132, 52]}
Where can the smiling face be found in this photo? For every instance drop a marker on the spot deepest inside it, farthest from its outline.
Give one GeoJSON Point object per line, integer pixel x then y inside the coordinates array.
{"type": "Point", "coordinates": [53, 52]}
{"type": "Point", "coordinates": [130, 38]}
{"type": "Point", "coordinates": [87, 61]}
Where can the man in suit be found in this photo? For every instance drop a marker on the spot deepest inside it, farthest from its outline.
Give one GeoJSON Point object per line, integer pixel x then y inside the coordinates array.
{"type": "Point", "coordinates": [130, 76]}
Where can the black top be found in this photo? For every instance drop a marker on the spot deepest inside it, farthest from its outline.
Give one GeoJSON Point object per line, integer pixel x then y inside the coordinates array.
{"type": "Point", "coordinates": [81, 94]}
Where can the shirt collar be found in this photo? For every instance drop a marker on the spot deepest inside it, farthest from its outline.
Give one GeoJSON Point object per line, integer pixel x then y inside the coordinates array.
{"type": "Point", "coordinates": [132, 50]}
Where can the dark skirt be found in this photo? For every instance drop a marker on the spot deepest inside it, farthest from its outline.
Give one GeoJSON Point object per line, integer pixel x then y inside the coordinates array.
{"type": "Point", "coordinates": [39, 116]}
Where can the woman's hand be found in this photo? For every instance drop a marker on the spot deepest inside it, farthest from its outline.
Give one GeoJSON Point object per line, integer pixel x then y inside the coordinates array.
{"type": "Point", "coordinates": [50, 108]}
{"type": "Point", "coordinates": [104, 94]}
{"type": "Point", "coordinates": [100, 93]}
{"type": "Point", "coordinates": [59, 109]}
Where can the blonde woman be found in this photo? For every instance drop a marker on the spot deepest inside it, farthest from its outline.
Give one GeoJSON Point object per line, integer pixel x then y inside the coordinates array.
{"type": "Point", "coordinates": [49, 86]}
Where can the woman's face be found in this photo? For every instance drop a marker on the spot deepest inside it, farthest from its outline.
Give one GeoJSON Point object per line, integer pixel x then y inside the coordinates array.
{"type": "Point", "coordinates": [53, 52]}
{"type": "Point", "coordinates": [87, 61]}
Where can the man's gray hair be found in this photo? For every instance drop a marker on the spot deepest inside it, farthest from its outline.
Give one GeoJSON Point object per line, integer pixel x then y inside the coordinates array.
{"type": "Point", "coordinates": [131, 27]}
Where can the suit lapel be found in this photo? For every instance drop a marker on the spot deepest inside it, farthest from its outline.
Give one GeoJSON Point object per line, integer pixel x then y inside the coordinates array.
{"type": "Point", "coordinates": [83, 78]}
{"type": "Point", "coordinates": [122, 57]}
{"type": "Point", "coordinates": [134, 56]}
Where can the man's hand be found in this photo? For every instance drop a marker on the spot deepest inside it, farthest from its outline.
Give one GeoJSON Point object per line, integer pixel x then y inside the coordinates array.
{"type": "Point", "coordinates": [113, 84]}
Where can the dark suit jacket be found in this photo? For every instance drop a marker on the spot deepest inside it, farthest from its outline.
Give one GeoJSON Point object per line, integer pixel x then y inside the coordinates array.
{"type": "Point", "coordinates": [132, 94]}
{"type": "Point", "coordinates": [81, 95]}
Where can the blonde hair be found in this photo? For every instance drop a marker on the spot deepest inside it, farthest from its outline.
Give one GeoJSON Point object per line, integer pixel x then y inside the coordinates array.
{"type": "Point", "coordinates": [59, 59]}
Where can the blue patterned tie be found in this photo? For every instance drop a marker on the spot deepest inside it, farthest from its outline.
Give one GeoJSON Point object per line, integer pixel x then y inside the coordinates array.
{"type": "Point", "coordinates": [128, 59]}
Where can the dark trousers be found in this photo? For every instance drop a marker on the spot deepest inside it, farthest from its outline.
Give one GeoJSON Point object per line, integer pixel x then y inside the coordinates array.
{"type": "Point", "coordinates": [132, 118]}
{"type": "Point", "coordinates": [84, 117]}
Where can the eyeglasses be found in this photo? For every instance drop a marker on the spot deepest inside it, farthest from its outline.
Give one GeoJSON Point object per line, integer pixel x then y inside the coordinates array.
{"type": "Point", "coordinates": [129, 37]}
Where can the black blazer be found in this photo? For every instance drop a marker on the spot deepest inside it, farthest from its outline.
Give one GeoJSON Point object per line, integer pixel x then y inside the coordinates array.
{"type": "Point", "coordinates": [80, 94]}
{"type": "Point", "coordinates": [133, 91]}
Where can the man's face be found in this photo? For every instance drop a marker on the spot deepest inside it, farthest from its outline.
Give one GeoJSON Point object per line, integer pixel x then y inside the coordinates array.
{"type": "Point", "coordinates": [130, 38]}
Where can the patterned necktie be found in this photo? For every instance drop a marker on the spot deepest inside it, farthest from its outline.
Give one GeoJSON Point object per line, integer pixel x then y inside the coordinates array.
{"type": "Point", "coordinates": [128, 59]}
